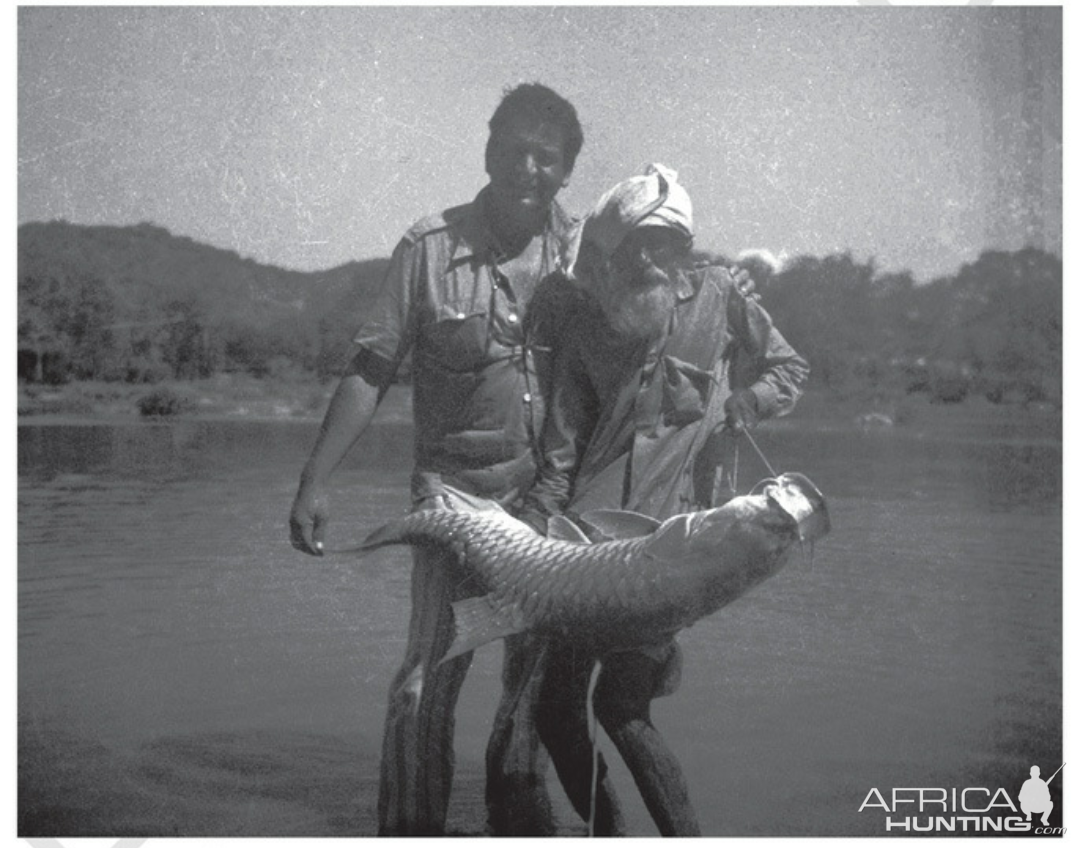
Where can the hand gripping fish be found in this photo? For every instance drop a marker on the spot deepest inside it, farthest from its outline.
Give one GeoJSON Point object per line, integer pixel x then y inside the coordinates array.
{"type": "Point", "coordinates": [617, 594]}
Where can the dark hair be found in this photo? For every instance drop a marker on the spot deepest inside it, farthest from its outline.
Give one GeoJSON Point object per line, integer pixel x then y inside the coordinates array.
{"type": "Point", "coordinates": [538, 102]}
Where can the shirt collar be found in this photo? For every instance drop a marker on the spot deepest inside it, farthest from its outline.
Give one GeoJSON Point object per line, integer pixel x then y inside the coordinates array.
{"type": "Point", "coordinates": [474, 240]}
{"type": "Point", "coordinates": [684, 287]}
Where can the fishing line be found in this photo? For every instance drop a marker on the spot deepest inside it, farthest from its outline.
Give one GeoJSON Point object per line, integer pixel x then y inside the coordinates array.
{"type": "Point", "coordinates": [591, 713]}
{"type": "Point", "coordinates": [734, 476]}
{"type": "Point", "coordinates": [757, 450]}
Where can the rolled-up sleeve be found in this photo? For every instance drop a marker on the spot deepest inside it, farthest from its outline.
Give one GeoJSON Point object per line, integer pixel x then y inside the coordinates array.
{"type": "Point", "coordinates": [389, 327]}
{"type": "Point", "coordinates": [570, 423]}
{"type": "Point", "coordinates": [765, 363]}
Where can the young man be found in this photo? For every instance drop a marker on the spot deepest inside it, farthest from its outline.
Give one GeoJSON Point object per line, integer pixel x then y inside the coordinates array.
{"type": "Point", "coordinates": [455, 295]}
{"type": "Point", "coordinates": [656, 365]}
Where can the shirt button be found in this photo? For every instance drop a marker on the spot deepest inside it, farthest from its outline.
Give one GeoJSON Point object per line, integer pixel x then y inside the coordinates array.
{"type": "Point", "coordinates": [512, 318]}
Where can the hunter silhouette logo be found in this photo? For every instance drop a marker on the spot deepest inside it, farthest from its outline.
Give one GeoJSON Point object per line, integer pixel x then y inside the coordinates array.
{"type": "Point", "coordinates": [970, 809]}
{"type": "Point", "coordinates": [1035, 795]}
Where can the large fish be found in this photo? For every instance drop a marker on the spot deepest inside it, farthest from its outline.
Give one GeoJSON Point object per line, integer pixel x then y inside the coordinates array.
{"type": "Point", "coordinates": [622, 593]}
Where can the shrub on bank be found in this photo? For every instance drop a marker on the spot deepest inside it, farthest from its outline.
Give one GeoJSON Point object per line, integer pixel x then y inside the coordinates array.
{"type": "Point", "coordinates": [162, 402]}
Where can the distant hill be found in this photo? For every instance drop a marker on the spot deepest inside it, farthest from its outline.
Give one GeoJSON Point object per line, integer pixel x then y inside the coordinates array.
{"type": "Point", "coordinates": [131, 287]}
{"type": "Point", "coordinates": [139, 304]}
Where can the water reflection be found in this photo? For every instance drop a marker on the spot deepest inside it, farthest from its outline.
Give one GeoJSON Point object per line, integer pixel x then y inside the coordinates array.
{"type": "Point", "coordinates": [184, 449]}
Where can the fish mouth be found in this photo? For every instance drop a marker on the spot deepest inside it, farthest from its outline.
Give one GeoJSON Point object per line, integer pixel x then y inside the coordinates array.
{"type": "Point", "coordinates": [801, 500]}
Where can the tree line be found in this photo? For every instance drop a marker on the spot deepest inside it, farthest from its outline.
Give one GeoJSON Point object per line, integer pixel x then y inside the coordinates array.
{"type": "Point", "coordinates": [992, 328]}
{"type": "Point", "coordinates": [137, 304]}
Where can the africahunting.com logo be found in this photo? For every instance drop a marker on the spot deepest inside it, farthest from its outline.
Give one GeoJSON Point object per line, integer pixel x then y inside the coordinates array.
{"type": "Point", "coordinates": [972, 809]}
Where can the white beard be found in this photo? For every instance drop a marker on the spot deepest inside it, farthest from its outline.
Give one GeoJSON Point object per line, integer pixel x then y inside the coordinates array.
{"type": "Point", "coordinates": [639, 309]}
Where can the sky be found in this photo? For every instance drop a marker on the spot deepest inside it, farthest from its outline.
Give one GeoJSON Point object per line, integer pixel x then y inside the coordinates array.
{"type": "Point", "coordinates": [308, 137]}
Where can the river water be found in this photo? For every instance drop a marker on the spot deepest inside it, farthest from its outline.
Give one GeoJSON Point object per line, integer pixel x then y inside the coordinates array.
{"type": "Point", "coordinates": [182, 671]}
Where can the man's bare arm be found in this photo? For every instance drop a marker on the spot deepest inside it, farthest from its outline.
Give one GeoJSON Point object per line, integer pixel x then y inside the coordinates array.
{"type": "Point", "coordinates": [351, 409]}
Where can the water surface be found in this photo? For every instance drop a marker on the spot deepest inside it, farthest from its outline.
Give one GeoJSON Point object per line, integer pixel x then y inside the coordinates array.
{"type": "Point", "coordinates": [183, 671]}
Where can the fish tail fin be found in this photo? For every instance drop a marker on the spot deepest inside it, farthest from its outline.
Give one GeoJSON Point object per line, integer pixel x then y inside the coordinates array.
{"type": "Point", "coordinates": [478, 621]}
{"type": "Point", "coordinates": [386, 535]}
{"type": "Point", "coordinates": [391, 533]}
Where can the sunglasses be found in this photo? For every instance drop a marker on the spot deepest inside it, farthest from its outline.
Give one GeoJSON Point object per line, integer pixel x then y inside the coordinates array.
{"type": "Point", "coordinates": [656, 245]}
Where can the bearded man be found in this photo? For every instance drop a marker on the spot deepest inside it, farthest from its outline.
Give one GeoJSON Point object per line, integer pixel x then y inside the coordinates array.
{"type": "Point", "coordinates": [658, 361]}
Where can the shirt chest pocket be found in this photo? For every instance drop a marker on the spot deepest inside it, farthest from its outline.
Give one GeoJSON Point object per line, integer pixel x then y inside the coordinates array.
{"type": "Point", "coordinates": [457, 337]}
{"type": "Point", "coordinates": [685, 392]}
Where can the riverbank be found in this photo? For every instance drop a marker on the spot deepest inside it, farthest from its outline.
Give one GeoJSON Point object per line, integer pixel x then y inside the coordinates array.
{"type": "Point", "coordinates": [223, 396]}
{"type": "Point", "coordinates": [242, 397]}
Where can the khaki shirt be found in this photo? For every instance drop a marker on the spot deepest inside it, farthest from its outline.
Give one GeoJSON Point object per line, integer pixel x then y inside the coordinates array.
{"type": "Point", "coordinates": [476, 401]}
{"type": "Point", "coordinates": [639, 426]}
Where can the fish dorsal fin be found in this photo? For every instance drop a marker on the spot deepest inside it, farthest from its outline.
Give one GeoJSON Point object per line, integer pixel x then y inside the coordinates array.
{"type": "Point", "coordinates": [562, 528]}
{"type": "Point", "coordinates": [610, 524]}
{"type": "Point", "coordinates": [474, 502]}
{"type": "Point", "coordinates": [673, 537]}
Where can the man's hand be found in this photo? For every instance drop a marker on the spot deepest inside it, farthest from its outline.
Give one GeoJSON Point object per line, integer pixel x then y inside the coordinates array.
{"type": "Point", "coordinates": [744, 283]}
{"type": "Point", "coordinates": [741, 411]}
{"type": "Point", "coordinates": [308, 519]}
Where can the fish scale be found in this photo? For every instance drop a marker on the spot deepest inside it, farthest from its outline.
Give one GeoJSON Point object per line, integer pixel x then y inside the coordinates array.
{"type": "Point", "coordinates": [619, 593]}
{"type": "Point", "coordinates": [576, 582]}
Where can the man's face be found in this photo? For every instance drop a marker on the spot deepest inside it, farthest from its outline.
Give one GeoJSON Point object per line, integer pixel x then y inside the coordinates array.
{"type": "Point", "coordinates": [634, 288]}
{"type": "Point", "coordinates": [647, 256]}
{"type": "Point", "coordinates": [527, 168]}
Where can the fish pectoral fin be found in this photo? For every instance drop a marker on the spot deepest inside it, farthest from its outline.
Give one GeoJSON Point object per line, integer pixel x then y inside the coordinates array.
{"type": "Point", "coordinates": [611, 524]}
{"type": "Point", "coordinates": [478, 621]}
{"type": "Point", "coordinates": [562, 528]}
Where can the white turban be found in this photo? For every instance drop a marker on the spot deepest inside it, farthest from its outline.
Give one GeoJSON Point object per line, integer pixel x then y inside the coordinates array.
{"type": "Point", "coordinates": [654, 199]}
